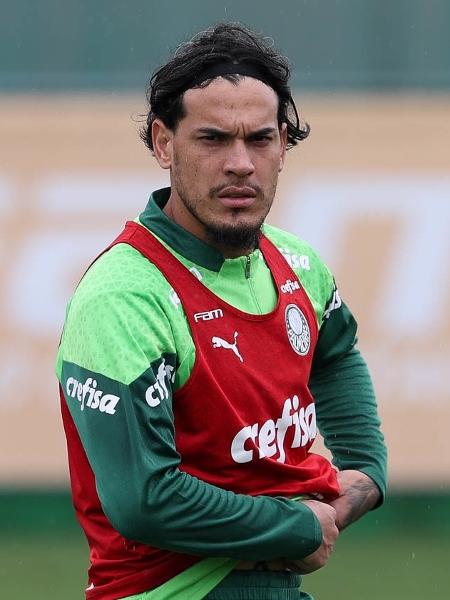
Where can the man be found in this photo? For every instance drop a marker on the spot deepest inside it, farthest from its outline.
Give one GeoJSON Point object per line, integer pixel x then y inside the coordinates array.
{"type": "Point", "coordinates": [190, 349]}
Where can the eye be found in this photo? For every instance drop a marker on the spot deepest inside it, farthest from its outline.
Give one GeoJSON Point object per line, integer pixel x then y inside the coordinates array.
{"type": "Point", "coordinates": [261, 139]}
{"type": "Point", "coordinates": [212, 137]}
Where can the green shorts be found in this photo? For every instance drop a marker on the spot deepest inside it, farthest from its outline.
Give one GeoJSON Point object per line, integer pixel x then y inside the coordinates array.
{"type": "Point", "coordinates": [259, 585]}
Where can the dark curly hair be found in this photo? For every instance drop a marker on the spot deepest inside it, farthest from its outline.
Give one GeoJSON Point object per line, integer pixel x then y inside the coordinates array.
{"type": "Point", "coordinates": [228, 44]}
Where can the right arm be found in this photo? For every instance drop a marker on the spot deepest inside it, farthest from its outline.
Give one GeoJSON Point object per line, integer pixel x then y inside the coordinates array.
{"type": "Point", "coordinates": [132, 452]}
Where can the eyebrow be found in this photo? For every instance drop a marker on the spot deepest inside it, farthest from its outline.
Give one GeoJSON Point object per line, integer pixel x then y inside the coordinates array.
{"type": "Point", "coordinates": [224, 135]}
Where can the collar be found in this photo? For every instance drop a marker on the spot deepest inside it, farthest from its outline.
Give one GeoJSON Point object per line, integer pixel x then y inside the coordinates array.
{"type": "Point", "coordinates": [180, 239]}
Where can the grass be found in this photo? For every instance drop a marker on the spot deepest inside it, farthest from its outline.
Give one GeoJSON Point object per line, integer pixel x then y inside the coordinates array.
{"type": "Point", "coordinates": [403, 566]}
{"type": "Point", "coordinates": [43, 567]}
{"type": "Point", "coordinates": [406, 567]}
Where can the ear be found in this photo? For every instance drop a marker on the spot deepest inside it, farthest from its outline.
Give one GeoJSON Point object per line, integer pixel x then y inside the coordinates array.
{"type": "Point", "coordinates": [162, 138]}
{"type": "Point", "coordinates": [283, 144]}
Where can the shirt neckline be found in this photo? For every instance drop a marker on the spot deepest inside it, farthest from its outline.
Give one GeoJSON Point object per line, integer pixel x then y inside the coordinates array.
{"type": "Point", "coordinates": [178, 238]}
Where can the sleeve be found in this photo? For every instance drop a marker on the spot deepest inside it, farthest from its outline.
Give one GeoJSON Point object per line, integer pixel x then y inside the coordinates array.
{"type": "Point", "coordinates": [127, 432]}
{"type": "Point", "coordinates": [346, 407]}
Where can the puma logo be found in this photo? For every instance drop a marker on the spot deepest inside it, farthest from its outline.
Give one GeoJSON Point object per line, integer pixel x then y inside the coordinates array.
{"type": "Point", "coordinates": [218, 342]}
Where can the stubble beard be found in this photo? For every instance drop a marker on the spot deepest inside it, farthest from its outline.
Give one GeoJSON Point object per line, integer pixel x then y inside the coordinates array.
{"type": "Point", "coordinates": [228, 236]}
{"type": "Point", "coordinates": [239, 238]}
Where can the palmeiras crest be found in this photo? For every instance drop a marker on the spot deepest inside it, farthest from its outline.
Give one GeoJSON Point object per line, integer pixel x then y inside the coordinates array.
{"type": "Point", "coordinates": [297, 329]}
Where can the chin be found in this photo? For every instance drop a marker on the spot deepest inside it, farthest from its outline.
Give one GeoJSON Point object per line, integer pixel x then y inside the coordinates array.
{"type": "Point", "coordinates": [235, 235]}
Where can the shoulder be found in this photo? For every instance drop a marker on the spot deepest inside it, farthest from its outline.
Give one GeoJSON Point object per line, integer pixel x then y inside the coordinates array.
{"type": "Point", "coordinates": [298, 252]}
{"type": "Point", "coordinates": [312, 272]}
{"type": "Point", "coordinates": [118, 320]}
{"type": "Point", "coordinates": [120, 270]}
{"type": "Point", "coordinates": [121, 284]}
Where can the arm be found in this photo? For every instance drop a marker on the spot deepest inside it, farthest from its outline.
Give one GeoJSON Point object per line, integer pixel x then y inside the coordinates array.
{"type": "Point", "coordinates": [348, 418]}
{"type": "Point", "coordinates": [345, 402]}
{"type": "Point", "coordinates": [359, 494]}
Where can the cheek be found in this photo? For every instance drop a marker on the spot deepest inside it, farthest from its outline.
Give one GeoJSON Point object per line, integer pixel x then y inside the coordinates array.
{"type": "Point", "coordinates": [268, 167]}
{"type": "Point", "coordinates": [192, 163]}
{"type": "Point", "coordinates": [269, 156]}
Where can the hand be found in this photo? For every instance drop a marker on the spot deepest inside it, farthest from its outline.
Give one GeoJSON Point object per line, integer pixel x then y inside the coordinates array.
{"type": "Point", "coordinates": [358, 494]}
{"type": "Point", "coordinates": [326, 515]}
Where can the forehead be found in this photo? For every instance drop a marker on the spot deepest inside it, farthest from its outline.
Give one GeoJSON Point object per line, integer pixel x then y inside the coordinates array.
{"type": "Point", "coordinates": [223, 103]}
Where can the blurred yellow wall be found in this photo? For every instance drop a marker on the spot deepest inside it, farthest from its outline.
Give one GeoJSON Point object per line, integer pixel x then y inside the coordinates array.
{"type": "Point", "coordinates": [370, 189]}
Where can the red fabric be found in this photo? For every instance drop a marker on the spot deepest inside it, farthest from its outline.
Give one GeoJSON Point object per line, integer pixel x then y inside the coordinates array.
{"type": "Point", "coordinates": [119, 567]}
{"type": "Point", "coordinates": [237, 406]}
{"type": "Point", "coordinates": [256, 395]}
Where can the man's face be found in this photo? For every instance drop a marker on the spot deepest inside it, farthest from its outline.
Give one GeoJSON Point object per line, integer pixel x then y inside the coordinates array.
{"type": "Point", "coordinates": [224, 159]}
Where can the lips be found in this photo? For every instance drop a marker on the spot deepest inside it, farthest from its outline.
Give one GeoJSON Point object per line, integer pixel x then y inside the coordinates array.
{"type": "Point", "coordinates": [234, 191]}
{"type": "Point", "coordinates": [237, 196]}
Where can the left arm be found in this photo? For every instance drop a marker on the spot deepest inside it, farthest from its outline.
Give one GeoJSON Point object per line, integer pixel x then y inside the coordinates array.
{"type": "Point", "coordinates": [348, 418]}
{"type": "Point", "coordinates": [359, 494]}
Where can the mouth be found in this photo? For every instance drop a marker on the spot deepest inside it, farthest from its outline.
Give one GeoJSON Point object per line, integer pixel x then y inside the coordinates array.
{"type": "Point", "coordinates": [237, 196]}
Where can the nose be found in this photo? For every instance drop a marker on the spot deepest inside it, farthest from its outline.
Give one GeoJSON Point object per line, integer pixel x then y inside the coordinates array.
{"type": "Point", "coordinates": [238, 161]}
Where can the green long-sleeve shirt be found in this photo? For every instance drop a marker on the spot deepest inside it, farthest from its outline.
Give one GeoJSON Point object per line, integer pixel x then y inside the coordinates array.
{"type": "Point", "coordinates": [124, 319]}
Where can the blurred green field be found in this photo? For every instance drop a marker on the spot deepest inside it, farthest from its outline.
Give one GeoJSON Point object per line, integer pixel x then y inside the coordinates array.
{"type": "Point", "coordinates": [395, 568]}
{"type": "Point", "coordinates": [400, 568]}
{"type": "Point", "coordinates": [400, 553]}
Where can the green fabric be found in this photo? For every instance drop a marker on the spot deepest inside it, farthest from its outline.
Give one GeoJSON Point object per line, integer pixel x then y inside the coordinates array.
{"type": "Point", "coordinates": [178, 239]}
{"type": "Point", "coordinates": [194, 583]}
{"type": "Point", "coordinates": [345, 389]}
{"type": "Point", "coordinates": [129, 448]}
{"type": "Point", "coordinates": [126, 330]}
{"type": "Point", "coordinates": [111, 309]}
{"type": "Point", "coordinates": [214, 579]}
{"type": "Point", "coordinates": [259, 585]}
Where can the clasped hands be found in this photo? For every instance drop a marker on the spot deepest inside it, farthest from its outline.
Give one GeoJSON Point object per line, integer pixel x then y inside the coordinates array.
{"type": "Point", "coordinates": [358, 494]}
